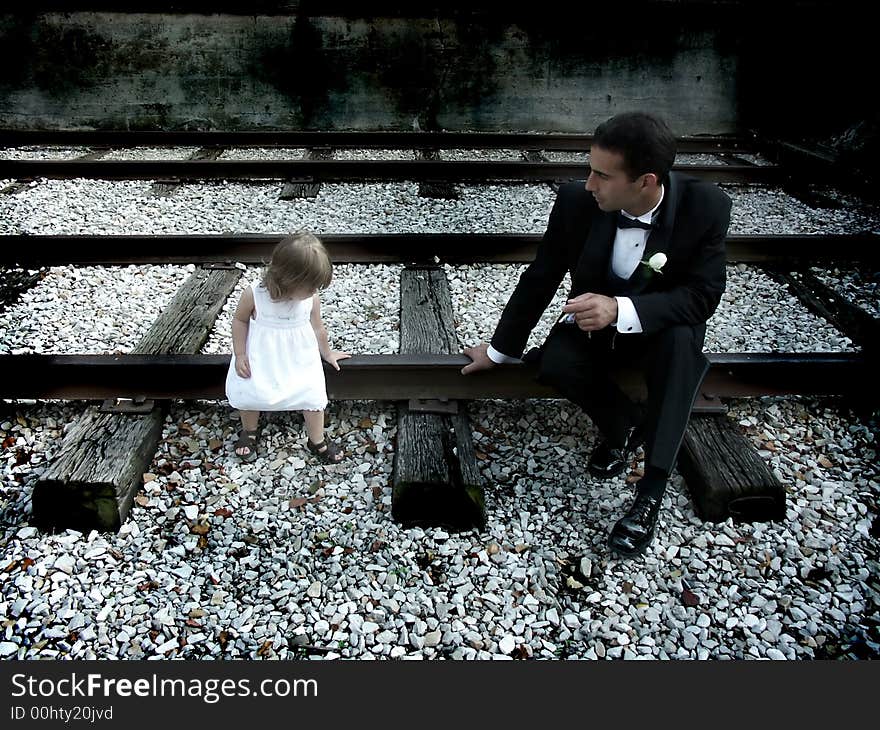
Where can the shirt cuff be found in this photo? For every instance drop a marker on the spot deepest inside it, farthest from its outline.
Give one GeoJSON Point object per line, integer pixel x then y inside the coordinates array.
{"type": "Point", "coordinates": [628, 321]}
{"type": "Point", "coordinates": [499, 358]}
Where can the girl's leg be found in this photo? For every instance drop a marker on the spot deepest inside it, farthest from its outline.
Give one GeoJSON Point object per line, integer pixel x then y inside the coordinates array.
{"type": "Point", "coordinates": [315, 430]}
{"type": "Point", "coordinates": [249, 422]}
{"type": "Point", "coordinates": [314, 425]}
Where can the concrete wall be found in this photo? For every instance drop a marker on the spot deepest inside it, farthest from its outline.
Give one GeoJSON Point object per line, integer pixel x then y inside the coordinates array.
{"type": "Point", "coordinates": [709, 67]}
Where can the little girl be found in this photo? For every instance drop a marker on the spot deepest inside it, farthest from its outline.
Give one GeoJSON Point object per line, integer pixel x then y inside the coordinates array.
{"type": "Point", "coordinates": [278, 340]}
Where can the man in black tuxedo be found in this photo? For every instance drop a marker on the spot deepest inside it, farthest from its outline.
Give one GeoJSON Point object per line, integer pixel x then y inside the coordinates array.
{"type": "Point", "coordinates": [645, 249]}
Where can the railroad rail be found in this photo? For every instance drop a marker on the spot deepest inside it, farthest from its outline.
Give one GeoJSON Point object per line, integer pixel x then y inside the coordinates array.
{"type": "Point", "coordinates": [346, 139]}
{"type": "Point", "coordinates": [459, 248]}
{"type": "Point", "coordinates": [400, 377]}
{"type": "Point", "coordinates": [353, 170]}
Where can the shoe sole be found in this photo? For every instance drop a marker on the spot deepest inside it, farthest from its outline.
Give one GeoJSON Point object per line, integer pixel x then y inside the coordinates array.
{"type": "Point", "coordinates": [632, 553]}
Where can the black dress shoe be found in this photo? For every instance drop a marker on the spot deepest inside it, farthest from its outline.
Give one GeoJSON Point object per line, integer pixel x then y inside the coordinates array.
{"type": "Point", "coordinates": [607, 461]}
{"type": "Point", "coordinates": [635, 530]}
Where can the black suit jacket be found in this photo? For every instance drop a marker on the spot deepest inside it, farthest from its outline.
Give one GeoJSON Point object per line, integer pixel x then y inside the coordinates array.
{"type": "Point", "coordinates": [691, 228]}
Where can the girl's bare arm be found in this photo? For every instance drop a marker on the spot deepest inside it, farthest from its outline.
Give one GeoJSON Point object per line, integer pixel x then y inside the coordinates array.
{"type": "Point", "coordinates": [331, 356]}
{"type": "Point", "coordinates": [240, 326]}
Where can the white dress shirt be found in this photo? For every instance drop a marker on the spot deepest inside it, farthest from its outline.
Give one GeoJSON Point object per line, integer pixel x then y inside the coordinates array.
{"type": "Point", "coordinates": [629, 248]}
{"type": "Point", "coordinates": [627, 253]}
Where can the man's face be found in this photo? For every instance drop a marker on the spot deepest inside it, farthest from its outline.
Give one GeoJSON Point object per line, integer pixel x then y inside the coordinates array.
{"type": "Point", "coordinates": [609, 184]}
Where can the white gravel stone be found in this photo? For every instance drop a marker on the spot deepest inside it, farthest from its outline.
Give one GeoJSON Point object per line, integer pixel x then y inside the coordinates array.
{"type": "Point", "coordinates": [507, 644]}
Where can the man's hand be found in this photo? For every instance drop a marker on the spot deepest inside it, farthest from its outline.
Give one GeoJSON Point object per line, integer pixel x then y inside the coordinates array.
{"type": "Point", "coordinates": [333, 357]}
{"type": "Point", "coordinates": [480, 357]}
{"type": "Point", "coordinates": [592, 311]}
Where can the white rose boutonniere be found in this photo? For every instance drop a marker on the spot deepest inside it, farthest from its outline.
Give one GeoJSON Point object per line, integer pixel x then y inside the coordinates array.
{"type": "Point", "coordinates": [656, 262]}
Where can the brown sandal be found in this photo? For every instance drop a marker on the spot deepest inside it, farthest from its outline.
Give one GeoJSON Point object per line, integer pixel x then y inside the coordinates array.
{"type": "Point", "coordinates": [328, 453]}
{"type": "Point", "coordinates": [247, 440]}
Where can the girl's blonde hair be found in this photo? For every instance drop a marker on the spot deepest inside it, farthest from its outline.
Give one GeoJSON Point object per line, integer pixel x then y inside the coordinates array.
{"type": "Point", "coordinates": [299, 262]}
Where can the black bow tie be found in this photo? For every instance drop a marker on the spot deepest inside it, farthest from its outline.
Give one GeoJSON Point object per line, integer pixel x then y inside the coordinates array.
{"type": "Point", "coordinates": [626, 222]}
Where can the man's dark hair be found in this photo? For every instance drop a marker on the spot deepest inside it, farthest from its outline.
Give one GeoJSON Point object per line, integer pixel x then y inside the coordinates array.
{"type": "Point", "coordinates": [644, 141]}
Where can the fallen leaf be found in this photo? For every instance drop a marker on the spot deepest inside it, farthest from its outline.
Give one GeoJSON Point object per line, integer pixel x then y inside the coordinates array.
{"type": "Point", "coordinates": [201, 528]}
{"type": "Point", "coordinates": [223, 512]}
{"type": "Point", "coordinates": [297, 502]}
{"type": "Point", "coordinates": [193, 623]}
{"type": "Point", "coordinates": [214, 444]}
{"type": "Point", "coordinates": [689, 598]}
{"type": "Point", "coordinates": [365, 423]}
{"type": "Point", "coordinates": [142, 499]}
{"type": "Point", "coordinates": [825, 461]}
{"type": "Point", "coordinates": [627, 587]}
{"type": "Point", "coordinates": [572, 583]}
{"type": "Point", "coordinates": [198, 613]}
{"type": "Point", "coordinates": [265, 648]}
{"type": "Point", "coordinates": [12, 566]}
{"type": "Point", "coordinates": [202, 542]}
{"type": "Point", "coordinates": [481, 456]}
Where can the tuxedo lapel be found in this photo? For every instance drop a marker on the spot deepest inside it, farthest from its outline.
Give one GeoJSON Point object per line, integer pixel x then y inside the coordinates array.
{"type": "Point", "coordinates": [658, 239]}
{"type": "Point", "coordinates": [595, 255]}
{"type": "Point", "coordinates": [660, 236]}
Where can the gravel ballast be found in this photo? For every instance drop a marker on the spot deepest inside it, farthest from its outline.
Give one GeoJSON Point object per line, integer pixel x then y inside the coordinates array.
{"type": "Point", "coordinates": [287, 558]}
{"type": "Point", "coordinates": [273, 559]}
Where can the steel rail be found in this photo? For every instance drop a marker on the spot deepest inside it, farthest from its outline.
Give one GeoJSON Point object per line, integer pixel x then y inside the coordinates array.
{"type": "Point", "coordinates": [351, 170]}
{"type": "Point", "coordinates": [457, 248]}
{"type": "Point", "coordinates": [403, 377]}
{"type": "Point", "coordinates": [344, 139]}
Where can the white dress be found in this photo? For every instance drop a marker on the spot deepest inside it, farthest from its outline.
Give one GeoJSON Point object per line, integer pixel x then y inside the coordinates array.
{"type": "Point", "coordinates": [286, 369]}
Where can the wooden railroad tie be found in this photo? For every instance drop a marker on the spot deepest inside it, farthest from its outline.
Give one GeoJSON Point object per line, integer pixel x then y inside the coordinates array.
{"type": "Point", "coordinates": [306, 188]}
{"type": "Point", "coordinates": [725, 476]}
{"type": "Point", "coordinates": [99, 468]}
{"type": "Point", "coordinates": [436, 188]}
{"type": "Point", "coordinates": [165, 189]}
{"type": "Point", "coordinates": [435, 480]}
